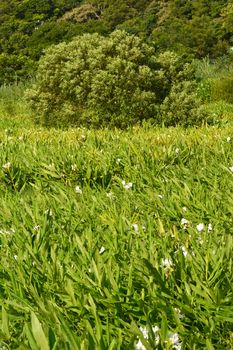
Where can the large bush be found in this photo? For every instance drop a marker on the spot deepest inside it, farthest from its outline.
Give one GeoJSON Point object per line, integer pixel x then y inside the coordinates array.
{"type": "Point", "coordinates": [102, 81]}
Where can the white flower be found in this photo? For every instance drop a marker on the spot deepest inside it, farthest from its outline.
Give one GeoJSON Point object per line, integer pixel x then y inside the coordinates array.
{"type": "Point", "coordinates": [49, 212]}
{"type": "Point", "coordinates": [167, 263]}
{"type": "Point", "coordinates": [228, 139]}
{"type": "Point", "coordinates": [184, 251]}
{"type": "Point", "coordinates": [184, 222]}
{"type": "Point", "coordinates": [102, 250]}
{"type": "Point", "coordinates": [210, 227]}
{"type": "Point", "coordinates": [177, 346]}
{"type": "Point", "coordinates": [135, 227]}
{"type": "Point", "coordinates": [177, 150]}
{"type": "Point", "coordinates": [174, 341]}
{"type": "Point", "coordinates": [139, 346]}
{"type": "Point", "coordinates": [7, 166]}
{"type": "Point", "coordinates": [174, 338]}
{"type": "Point", "coordinates": [127, 186]}
{"type": "Point", "coordinates": [184, 209]}
{"type": "Point", "coordinates": [200, 227]}
{"type": "Point", "coordinates": [231, 168]}
{"type": "Point", "coordinates": [16, 257]}
{"type": "Point", "coordinates": [179, 313]}
{"type": "Point", "coordinates": [7, 232]}
{"type": "Point", "coordinates": [74, 167]}
{"type": "Point", "coordinates": [155, 329]}
{"type": "Point", "coordinates": [200, 240]}
{"type": "Point", "coordinates": [109, 194]}
{"type": "Point", "coordinates": [36, 228]}
{"type": "Point", "coordinates": [144, 332]}
{"type": "Point", "coordinates": [118, 160]}
{"type": "Point", "coordinates": [51, 166]}
{"type": "Point", "coordinates": [78, 190]}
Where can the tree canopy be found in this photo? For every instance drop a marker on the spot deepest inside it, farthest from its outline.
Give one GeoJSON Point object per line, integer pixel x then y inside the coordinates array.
{"type": "Point", "coordinates": [115, 81]}
{"type": "Point", "coordinates": [193, 28]}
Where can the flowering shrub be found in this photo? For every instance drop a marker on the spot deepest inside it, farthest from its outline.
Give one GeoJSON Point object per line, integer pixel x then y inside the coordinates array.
{"type": "Point", "coordinates": [108, 81]}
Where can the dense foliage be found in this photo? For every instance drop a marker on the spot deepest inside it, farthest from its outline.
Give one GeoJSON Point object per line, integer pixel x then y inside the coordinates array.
{"type": "Point", "coordinates": [116, 239]}
{"type": "Point", "coordinates": [108, 234]}
{"type": "Point", "coordinates": [192, 28]}
{"type": "Point", "coordinates": [113, 239]}
{"type": "Point", "coordinates": [112, 81]}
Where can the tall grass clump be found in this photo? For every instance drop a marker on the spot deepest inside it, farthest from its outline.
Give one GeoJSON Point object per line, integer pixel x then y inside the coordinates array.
{"type": "Point", "coordinates": [215, 79]}
{"type": "Point", "coordinates": [116, 239]}
{"type": "Point", "coordinates": [13, 106]}
{"type": "Point", "coordinates": [215, 88]}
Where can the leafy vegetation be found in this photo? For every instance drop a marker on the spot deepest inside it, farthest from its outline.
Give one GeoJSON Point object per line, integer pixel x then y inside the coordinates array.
{"type": "Point", "coordinates": [215, 82]}
{"type": "Point", "coordinates": [115, 239]}
{"type": "Point", "coordinates": [191, 28]}
{"type": "Point", "coordinates": [51, 258]}
{"type": "Point", "coordinates": [113, 81]}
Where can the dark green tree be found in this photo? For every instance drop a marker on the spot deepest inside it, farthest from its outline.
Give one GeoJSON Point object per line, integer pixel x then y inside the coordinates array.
{"type": "Point", "coordinates": [189, 26]}
{"type": "Point", "coordinates": [192, 28]}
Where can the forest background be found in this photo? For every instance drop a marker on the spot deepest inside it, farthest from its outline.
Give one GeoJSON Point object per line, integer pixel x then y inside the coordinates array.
{"type": "Point", "coordinates": [194, 29]}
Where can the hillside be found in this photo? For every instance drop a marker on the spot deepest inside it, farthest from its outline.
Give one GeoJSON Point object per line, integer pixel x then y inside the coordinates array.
{"type": "Point", "coordinates": [194, 29]}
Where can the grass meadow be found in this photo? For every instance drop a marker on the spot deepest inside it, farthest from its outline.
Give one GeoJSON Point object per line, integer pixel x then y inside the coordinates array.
{"type": "Point", "coordinates": [114, 239]}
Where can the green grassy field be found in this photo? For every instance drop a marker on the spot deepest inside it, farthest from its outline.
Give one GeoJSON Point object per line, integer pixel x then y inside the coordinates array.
{"type": "Point", "coordinates": [115, 239]}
